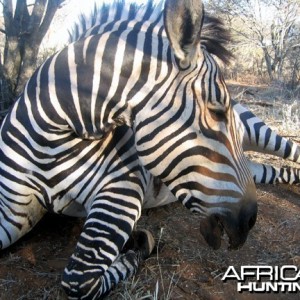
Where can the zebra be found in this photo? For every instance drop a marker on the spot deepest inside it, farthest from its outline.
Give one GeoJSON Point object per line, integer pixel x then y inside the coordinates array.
{"type": "Point", "coordinates": [259, 137]}
{"type": "Point", "coordinates": [65, 147]}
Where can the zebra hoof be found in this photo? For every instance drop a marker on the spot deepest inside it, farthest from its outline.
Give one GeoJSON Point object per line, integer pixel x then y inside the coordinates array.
{"type": "Point", "coordinates": [141, 241]}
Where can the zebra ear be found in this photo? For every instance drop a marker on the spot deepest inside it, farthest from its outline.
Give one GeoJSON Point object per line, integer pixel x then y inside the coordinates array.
{"type": "Point", "coordinates": [183, 22]}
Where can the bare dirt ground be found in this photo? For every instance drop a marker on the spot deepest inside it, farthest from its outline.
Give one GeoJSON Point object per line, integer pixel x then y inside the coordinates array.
{"type": "Point", "coordinates": [182, 266]}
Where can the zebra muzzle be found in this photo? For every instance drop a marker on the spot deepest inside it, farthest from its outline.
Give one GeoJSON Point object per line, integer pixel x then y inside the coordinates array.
{"type": "Point", "coordinates": [236, 227]}
{"type": "Point", "coordinates": [235, 219]}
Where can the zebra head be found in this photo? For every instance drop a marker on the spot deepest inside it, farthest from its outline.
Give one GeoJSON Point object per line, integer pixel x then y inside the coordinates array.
{"type": "Point", "coordinates": [193, 144]}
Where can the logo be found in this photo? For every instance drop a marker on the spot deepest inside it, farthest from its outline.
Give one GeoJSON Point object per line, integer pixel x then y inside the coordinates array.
{"type": "Point", "coordinates": [265, 279]}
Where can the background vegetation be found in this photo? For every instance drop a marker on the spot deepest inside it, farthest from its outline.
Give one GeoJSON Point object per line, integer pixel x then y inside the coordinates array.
{"type": "Point", "coordinates": [24, 24]}
{"type": "Point", "coordinates": [266, 37]}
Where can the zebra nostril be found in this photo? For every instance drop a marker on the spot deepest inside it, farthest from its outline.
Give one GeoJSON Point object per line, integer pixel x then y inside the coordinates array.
{"type": "Point", "coordinates": [250, 215]}
{"type": "Point", "coordinates": [249, 210]}
{"type": "Point", "coordinates": [252, 221]}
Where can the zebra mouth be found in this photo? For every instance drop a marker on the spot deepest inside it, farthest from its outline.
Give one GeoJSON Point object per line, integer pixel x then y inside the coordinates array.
{"type": "Point", "coordinates": [213, 229]}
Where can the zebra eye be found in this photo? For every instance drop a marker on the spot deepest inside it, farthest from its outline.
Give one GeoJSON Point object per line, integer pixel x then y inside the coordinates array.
{"type": "Point", "coordinates": [218, 114]}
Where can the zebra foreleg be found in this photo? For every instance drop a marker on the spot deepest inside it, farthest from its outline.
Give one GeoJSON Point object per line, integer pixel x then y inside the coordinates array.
{"type": "Point", "coordinates": [267, 174]}
{"type": "Point", "coordinates": [259, 137]}
{"type": "Point", "coordinates": [97, 264]}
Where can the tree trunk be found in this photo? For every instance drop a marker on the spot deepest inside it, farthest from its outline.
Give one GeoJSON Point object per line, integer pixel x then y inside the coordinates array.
{"type": "Point", "coordinates": [24, 32]}
{"type": "Point", "coordinates": [29, 59]}
{"type": "Point", "coordinates": [268, 63]}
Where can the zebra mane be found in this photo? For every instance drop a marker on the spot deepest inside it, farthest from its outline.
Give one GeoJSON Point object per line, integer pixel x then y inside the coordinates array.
{"type": "Point", "coordinates": [116, 10]}
{"type": "Point", "coordinates": [214, 35]}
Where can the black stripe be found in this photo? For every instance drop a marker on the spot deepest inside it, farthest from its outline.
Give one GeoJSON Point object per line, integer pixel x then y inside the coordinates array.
{"type": "Point", "coordinates": [263, 179]}
{"type": "Point", "coordinates": [273, 177]}
{"type": "Point", "coordinates": [257, 127]}
{"type": "Point", "coordinates": [245, 116]}
{"type": "Point", "coordinates": [267, 136]}
{"type": "Point", "coordinates": [288, 149]}
{"type": "Point", "coordinates": [278, 142]}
